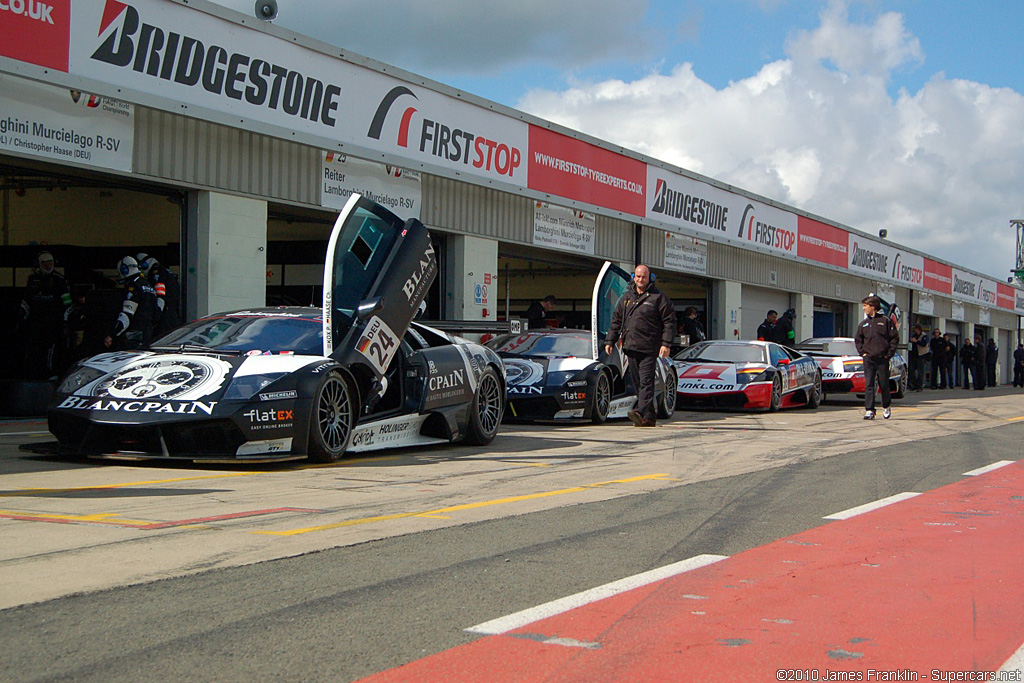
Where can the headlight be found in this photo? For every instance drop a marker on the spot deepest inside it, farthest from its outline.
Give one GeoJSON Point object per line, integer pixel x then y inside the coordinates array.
{"type": "Point", "coordinates": [557, 379]}
{"type": "Point", "coordinates": [79, 376]}
{"type": "Point", "coordinates": [749, 375]}
{"type": "Point", "coordinates": [853, 366]}
{"type": "Point", "coordinates": [242, 388]}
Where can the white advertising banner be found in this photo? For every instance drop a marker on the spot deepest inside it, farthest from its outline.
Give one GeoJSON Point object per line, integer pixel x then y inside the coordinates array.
{"type": "Point", "coordinates": [687, 254]}
{"type": "Point", "coordinates": [984, 316]}
{"type": "Point", "coordinates": [974, 288]}
{"type": "Point", "coordinates": [957, 310]}
{"type": "Point", "coordinates": [566, 229]}
{"type": "Point", "coordinates": [395, 188]}
{"type": "Point", "coordinates": [925, 303]}
{"type": "Point", "coordinates": [57, 123]}
{"type": "Point", "coordinates": [879, 260]}
{"type": "Point", "coordinates": [196, 60]}
{"type": "Point", "coordinates": [677, 200]}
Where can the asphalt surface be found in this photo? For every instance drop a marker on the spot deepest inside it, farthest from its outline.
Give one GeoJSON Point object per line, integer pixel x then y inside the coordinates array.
{"type": "Point", "coordinates": [486, 532]}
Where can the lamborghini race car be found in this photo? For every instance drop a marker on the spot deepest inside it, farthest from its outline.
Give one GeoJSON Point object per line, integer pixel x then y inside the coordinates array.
{"type": "Point", "coordinates": [566, 374]}
{"type": "Point", "coordinates": [746, 375]}
{"type": "Point", "coordinates": [842, 368]}
{"type": "Point", "coordinates": [284, 383]}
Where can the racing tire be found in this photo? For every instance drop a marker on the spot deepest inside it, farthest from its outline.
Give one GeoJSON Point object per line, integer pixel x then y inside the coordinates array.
{"type": "Point", "coordinates": [600, 398]}
{"type": "Point", "coordinates": [816, 395]}
{"type": "Point", "coordinates": [775, 402]}
{"type": "Point", "coordinates": [901, 387]}
{"type": "Point", "coordinates": [667, 404]}
{"type": "Point", "coordinates": [486, 410]}
{"type": "Point", "coordinates": [333, 419]}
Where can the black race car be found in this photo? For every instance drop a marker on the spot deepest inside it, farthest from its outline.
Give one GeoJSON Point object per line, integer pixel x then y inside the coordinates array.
{"type": "Point", "coordinates": [567, 375]}
{"type": "Point", "coordinates": [283, 383]}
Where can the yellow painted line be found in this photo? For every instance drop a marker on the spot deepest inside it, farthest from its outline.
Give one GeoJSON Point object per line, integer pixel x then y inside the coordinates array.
{"type": "Point", "coordinates": [347, 463]}
{"type": "Point", "coordinates": [34, 492]}
{"type": "Point", "coordinates": [440, 513]}
{"type": "Point", "coordinates": [1015, 419]}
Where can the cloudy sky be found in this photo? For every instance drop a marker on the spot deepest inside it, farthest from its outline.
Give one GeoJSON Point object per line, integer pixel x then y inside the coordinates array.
{"type": "Point", "coordinates": [906, 115]}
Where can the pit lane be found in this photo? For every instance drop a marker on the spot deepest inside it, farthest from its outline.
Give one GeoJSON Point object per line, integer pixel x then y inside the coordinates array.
{"type": "Point", "coordinates": [72, 526]}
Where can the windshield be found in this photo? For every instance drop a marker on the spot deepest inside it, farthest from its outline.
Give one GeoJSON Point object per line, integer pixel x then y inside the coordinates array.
{"type": "Point", "coordinates": [726, 353]}
{"type": "Point", "coordinates": [239, 333]}
{"type": "Point", "coordinates": [559, 345]}
{"type": "Point", "coordinates": [828, 347]}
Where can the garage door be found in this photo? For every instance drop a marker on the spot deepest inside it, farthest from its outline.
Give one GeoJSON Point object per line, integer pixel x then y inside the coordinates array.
{"type": "Point", "coordinates": [755, 302]}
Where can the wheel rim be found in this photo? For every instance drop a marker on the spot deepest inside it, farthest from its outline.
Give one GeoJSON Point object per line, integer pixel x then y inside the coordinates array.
{"type": "Point", "coordinates": [334, 414]}
{"type": "Point", "coordinates": [602, 395]}
{"type": "Point", "coordinates": [670, 393]}
{"type": "Point", "coordinates": [489, 403]}
{"type": "Point", "coordinates": [817, 388]}
{"type": "Point", "coordinates": [776, 395]}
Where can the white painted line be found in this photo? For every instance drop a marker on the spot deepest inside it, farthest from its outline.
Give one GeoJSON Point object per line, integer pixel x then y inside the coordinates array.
{"type": "Point", "coordinates": [989, 468]}
{"type": "Point", "coordinates": [2, 434]}
{"type": "Point", "coordinates": [550, 609]}
{"type": "Point", "coordinates": [868, 507]}
{"type": "Point", "coordinates": [1015, 662]}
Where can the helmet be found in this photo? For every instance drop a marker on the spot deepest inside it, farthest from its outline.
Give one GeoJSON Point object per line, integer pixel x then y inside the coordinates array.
{"type": "Point", "coordinates": [126, 268]}
{"type": "Point", "coordinates": [146, 263]}
{"type": "Point", "coordinates": [45, 261]}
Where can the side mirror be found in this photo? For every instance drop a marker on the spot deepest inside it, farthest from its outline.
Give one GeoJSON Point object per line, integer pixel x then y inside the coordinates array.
{"type": "Point", "coordinates": [783, 361]}
{"type": "Point", "coordinates": [369, 307]}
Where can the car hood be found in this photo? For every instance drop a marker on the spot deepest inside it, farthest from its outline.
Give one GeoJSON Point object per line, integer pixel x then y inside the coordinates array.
{"type": "Point", "coordinates": [533, 370]}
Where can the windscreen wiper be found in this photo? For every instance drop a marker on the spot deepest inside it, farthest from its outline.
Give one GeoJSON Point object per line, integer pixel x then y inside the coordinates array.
{"type": "Point", "coordinates": [197, 348]}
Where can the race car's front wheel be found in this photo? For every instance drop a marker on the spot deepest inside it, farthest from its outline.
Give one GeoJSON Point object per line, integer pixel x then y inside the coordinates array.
{"type": "Point", "coordinates": [815, 394]}
{"type": "Point", "coordinates": [485, 412]}
{"type": "Point", "coordinates": [776, 399]}
{"type": "Point", "coordinates": [334, 416]}
{"type": "Point", "coordinates": [600, 398]}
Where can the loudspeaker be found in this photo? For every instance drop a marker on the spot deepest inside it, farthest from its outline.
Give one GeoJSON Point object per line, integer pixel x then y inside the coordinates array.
{"type": "Point", "coordinates": [266, 10]}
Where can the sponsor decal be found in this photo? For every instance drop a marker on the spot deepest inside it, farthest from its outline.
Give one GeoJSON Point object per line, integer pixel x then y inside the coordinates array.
{"type": "Point", "coordinates": [525, 390]}
{"type": "Point", "coordinates": [450, 380]}
{"type": "Point", "coordinates": [938, 276]}
{"type": "Point", "coordinates": [395, 432]}
{"type": "Point", "coordinates": [966, 288]}
{"type": "Point", "coordinates": [269, 419]}
{"type": "Point", "coordinates": [264, 446]}
{"type": "Point", "coordinates": [577, 384]}
{"type": "Point", "coordinates": [279, 395]}
{"type": "Point", "coordinates": [906, 272]}
{"type": "Point", "coordinates": [688, 207]}
{"type": "Point", "coordinates": [453, 143]}
{"type": "Point", "coordinates": [573, 396]}
{"type": "Point", "coordinates": [128, 42]}
{"type": "Point", "coordinates": [522, 372]}
{"type": "Point", "coordinates": [158, 407]}
{"type": "Point", "coordinates": [822, 243]}
{"type": "Point", "coordinates": [418, 281]}
{"type": "Point", "coordinates": [378, 344]}
{"type": "Point", "coordinates": [703, 372]}
{"type": "Point", "coordinates": [705, 386]}
{"type": "Point", "coordinates": [172, 377]}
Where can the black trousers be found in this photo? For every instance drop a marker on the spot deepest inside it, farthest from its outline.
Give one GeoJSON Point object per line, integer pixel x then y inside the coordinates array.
{"type": "Point", "coordinates": [938, 374]}
{"type": "Point", "coordinates": [876, 371]}
{"type": "Point", "coordinates": [642, 369]}
{"type": "Point", "coordinates": [1018, 375]}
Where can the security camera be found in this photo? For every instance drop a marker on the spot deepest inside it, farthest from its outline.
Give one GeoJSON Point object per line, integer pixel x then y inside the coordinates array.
{"type": "Point", "coordinates": [266, 10]}
{"type": "Point", "coordinates": [883, 233]}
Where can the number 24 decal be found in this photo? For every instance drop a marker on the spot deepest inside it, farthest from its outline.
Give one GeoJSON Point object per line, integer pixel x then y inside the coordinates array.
{"type": "Point", "coordinates": [378, 344]}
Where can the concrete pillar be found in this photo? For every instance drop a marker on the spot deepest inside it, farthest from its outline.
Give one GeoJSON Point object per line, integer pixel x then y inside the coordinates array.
{"type": "Point", "coordinates": [725, 313]}
{"type": "Point", "coordinates": [803, 322]}
{"type": "Point", "coordinates": [940, 325]}
{"type": "Point", "coordinates": [226, 260]}
{"type": "Point", "coordinates": [471, 279]}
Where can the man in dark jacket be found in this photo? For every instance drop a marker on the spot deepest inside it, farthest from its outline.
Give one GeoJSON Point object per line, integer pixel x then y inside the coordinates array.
{"type": "Point", "coordinates": [876, 340]}
{"type": "Point", "coordinates": [967, 362]}
{"type": "Point", "coordinates": [537, 313]}
{"type": "Point", "coordinates": [766, 330]}
{"type": "Point", "coordinates": [133, 328]}
{"type": "Point", "coordinates": [919, 355]}
{"type": "Point", "coordinates": [979, 363]}
{"type": "Point", "coordinates": [991, 359]}
{"type": "Point", "coordinates": [1018, 366]}
{"type": "Point", "coordinates": [691, 327]}
{"type": "Point", "coordinates": [938, 348]}
{"type": "Point", "coordinates": [645, 320]}
{"type": "Point", "coordinates": [785, 333]}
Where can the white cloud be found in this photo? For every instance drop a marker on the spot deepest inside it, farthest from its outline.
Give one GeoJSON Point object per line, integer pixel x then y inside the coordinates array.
{"type": "Point", "coordinates": [940, 169]}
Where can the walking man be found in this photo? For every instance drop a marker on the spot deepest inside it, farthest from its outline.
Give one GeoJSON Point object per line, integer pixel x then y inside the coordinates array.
{"type": "Point", "coordinates": [645, 320]}
{"type": "Point", "coordinates": [876, 340]}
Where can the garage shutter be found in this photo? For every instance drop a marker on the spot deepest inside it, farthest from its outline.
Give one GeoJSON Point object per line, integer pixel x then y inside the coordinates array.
{"type": "Point", "coordinates": [754, 303]}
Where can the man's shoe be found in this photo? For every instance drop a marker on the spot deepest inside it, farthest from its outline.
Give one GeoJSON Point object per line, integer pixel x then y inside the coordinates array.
{"type": "Point", "coordinates": [647, 422]}
{"type": "Point", "coordinates": [886, 413]}
{"type": "Point", "coordinates": [636, 418]}
{"type": "Point", "coordinates": [869, 415]}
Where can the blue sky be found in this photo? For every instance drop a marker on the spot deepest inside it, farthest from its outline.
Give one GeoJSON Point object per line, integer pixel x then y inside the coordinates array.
{"type": "Point", "coordinates": [906, 115]}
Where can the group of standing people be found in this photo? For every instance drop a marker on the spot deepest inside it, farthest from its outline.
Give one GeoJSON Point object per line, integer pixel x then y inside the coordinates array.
{"type": "Point", "coordinates": [938, 352]}
{"type": "Point", "coordinates": [979, 361]}
{"type": "Point", "coordinates": [52, 322]}
{"type": "Point", "coordinates": [778, 329]}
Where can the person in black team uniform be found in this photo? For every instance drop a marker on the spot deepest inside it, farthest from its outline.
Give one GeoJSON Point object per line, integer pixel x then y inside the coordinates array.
{"type": "Point", "coordinates": [645, 320]}
{"type": "Point", "coordinates": [979, 364]}
{"type": "Point", "coordinates": [766, 330]}
{"type": "Point", "coordinates": [876, 340]}
{"type": "Point", "coordinates": [537, 313]}
{"type": "Point", "coordinates": [967, 352]}
{"type": "Point", "coordinates": [785, 333]}
{"type": "Point", "coordinates": [168, 293]}
{"type": "Point", "coordinates": [692, 327]}
{"type": "Point", "coordinates": [1018, 366]}
{"type": "Point", "coordinates": [938, 349]}
{"type": "Point", "coordinates": [43, 307]}
{"type": "Point", "coordinates": [133, 328]}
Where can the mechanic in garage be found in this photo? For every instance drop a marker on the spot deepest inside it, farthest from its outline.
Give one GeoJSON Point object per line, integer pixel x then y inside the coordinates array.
{"type": "Point", "coordinates": [645, 319]}
{"type": "Point", "coordinates": [133, 328]}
